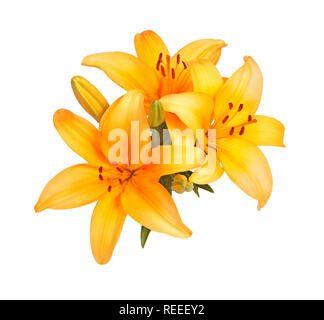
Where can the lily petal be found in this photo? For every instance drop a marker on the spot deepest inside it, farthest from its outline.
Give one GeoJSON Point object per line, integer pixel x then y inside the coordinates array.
{"type": "Point", "coordinates": [154, 209]}
{"type": "Point", "coordinates": [128, 116]}
{"type": "Point", "coordinates": [209, 171]}
{"type": "Point", "coordinates": [127, 71]}
{"type": "Point", "coordinates": [80, 135]}
{"type": "Point", "coordinates": [266, 131]}
{"type": "Point", "coordinates": [73, 187]}
{"type": "Point", "coordinates": [205, 77]}
{"type": "Point", "coordinates": [243, 87]}
{"type": "Point", "coordinates": [209, 49]}
{"type": "Point", "coordinates": [173, 122]}
{"type": "Point", "coordinates": [106, 225]}
{"type": "Point", "coordinates": [247, 167]}
{"type": "Point", "coordinates": [149, 46]}
{"type": "Point", "coordinates": [179, 157]}
{"type": "Point", "coordinates": [193, 108]}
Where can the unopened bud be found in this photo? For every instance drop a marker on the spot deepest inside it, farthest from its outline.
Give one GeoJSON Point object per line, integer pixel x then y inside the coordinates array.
{"type": "Point", "coordinates": [179, 183]}
{"type": "Point", "coordinates": [89, 97]}
{"type": "Point", "coordinates": [189, 186]}
{"type": "Point", "coordinates": [156, 114]}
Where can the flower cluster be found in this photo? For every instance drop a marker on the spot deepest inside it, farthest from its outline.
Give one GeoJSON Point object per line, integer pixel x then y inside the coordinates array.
{"type": "Point", "coordinates": [180, 125]}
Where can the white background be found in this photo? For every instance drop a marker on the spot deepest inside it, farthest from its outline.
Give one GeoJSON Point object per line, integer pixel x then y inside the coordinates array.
{"type": "Point", "coordinates": [235, 251]}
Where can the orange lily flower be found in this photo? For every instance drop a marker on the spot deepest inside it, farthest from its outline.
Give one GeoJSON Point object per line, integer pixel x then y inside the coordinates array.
{"type": "Point", "coordinates": [119, 187]}
{"type": "Point", "coordinates": [154, 71]}
{"type": "Point", "coordinates": [238, 130]}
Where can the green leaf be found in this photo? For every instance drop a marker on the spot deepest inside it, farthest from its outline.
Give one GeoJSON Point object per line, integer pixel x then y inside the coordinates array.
{"type": "Point", "coordinates": [144, 235]}
{"type": "Point", "coordinates": [195, 190]}
{"type": "Point", "coordinates": [206, 187]}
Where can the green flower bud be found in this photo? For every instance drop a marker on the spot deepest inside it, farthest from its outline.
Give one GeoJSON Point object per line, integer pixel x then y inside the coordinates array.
{"type": "Point", "coordinates": [189, 186]}
{"type": "Point", "coordinates": [89, 97]}
{"type": "Point", "coordinates": [179, 183]}
{"type": "Point", "coordinates": [155, 114]}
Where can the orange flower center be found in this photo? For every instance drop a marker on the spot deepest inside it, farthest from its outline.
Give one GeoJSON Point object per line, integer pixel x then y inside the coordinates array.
{"type": "Point", "coordinates": [116, 176]}
{"type": "Point", "coordinates": [223, 127]}
{"type": "Point", "coordinates": [171, 72]}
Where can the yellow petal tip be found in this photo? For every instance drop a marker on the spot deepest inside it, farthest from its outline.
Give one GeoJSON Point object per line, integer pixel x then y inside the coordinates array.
{"type": "Point", "coordinates": [60, 113]}
{"type": "Point", "coordinates": [248, 58]}
{"type": "Point", "coordinates": [101, 262]}
{"type": "Point", "coordinates": [86, 61]}
{"type": "Point", "coordinates": [187, 233]}
{"type": "Point", "coordinates": [38, 208]}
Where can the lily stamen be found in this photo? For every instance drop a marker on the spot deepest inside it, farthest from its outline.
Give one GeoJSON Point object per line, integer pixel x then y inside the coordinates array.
{"type": "Point", "coordinates": [231, 115]}
{"type": "Point", "coordinates": [120, 169]}
{"type": "Point", "coordinates": [178, 58]}
{"type": "Point", "coordinates": [242, 125]}
{"type": "Point", "coordinates": [163, 71]}
{"type": "Point", "coordinates": [159, 62]}
{"type": "Point", "coordinates": [165, 66]}
{"type": "Point", "coordinates": [225, 119]}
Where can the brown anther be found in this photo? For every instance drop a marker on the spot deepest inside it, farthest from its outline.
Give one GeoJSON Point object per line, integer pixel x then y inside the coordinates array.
{"type": "Point", "coordinates": [232, 131]}
{"type": "Point", "coordinates": [240, 107]}
{"type": "Point", "coordinates": [242, 131]}
{"type": "Point", "coordinates": [120, 181]}
{"type": "Point", "coordinates": [101, 177]}
{"type": "Point", "coordinates": [173, 73]}
{"type": "Point", "coordinates": [231, 105]}
{"type": "Point", "coordinates": [178, 58]}
{"type": "Point", "coordinates": [100, 170]}
{"type": "Point", "coordinates": [158, 65]}
{"type": "Point", "coordinates": [250, 118]}
{"type": "Point", "coordinates": [120, 170]}
{"type": "Point", "coordinates": [225, 119]}
{"type": "Point", "coordinates": [159, 62]}
{"type": "Point", "coordinates": [162, 71]}
{"type": "Point", "coordinates": [109, 188]}
{"type": "Point", "coordinates": [184, 65]}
